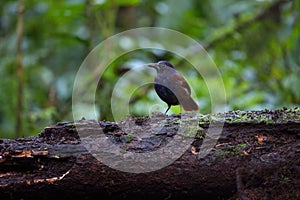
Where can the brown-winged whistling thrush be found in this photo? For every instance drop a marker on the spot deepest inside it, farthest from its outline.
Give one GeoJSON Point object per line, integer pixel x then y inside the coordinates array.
{"type": "Point", "coordinates": [171, 87]}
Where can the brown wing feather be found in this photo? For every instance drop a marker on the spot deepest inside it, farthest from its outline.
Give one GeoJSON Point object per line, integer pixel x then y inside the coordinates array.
{"type": "Point", "coordinates": [183, 91]}
{"type": "Point", "coordinates": [180, 83]}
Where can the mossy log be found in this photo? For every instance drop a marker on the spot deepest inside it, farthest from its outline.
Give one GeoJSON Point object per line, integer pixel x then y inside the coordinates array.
{"type": "Point", "coordinates": [257, 156]}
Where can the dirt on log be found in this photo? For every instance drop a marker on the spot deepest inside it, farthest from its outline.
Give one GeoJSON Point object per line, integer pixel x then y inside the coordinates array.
{"type": "Point", "coordinates": [256, 156]}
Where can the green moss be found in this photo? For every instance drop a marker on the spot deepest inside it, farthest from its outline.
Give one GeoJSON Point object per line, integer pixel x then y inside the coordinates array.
{"type": "Point", "coordinates": [71, 125]}
{"type": "Point", "coordinates": [263, 116]}
{"type": "Point", "coordinates": [189, 127]}
{"type": "Point", "coordinates": [222, 154]}
{"type": "Point", "coordinates": [128, 138]}
{"type": "Point", "coordinates": [200, 134]}
{"type": "Point", "coordinates": [231, 150]}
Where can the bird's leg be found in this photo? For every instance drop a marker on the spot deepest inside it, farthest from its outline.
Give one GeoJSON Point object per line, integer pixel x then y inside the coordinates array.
{"type": "Point", "coordinates": [169, 106]}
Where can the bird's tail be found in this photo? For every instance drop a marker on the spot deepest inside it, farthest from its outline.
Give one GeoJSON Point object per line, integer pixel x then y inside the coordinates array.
{"type": "Point", "coordinates": [189, 104]}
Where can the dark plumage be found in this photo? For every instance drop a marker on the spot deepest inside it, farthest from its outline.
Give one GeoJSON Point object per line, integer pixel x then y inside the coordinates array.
{"type": "Point", "coordinates": [171, 87]}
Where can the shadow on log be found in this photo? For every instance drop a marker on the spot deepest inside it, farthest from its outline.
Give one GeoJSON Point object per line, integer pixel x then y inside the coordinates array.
{"type": "Point", "coordinates": [257, 156]}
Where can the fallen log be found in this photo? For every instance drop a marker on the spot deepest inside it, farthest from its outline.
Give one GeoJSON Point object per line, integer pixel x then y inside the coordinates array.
{"type": "Point", "coordinates": [256, 155]}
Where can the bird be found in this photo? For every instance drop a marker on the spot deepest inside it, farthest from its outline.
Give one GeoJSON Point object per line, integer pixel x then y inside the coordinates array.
{"type": "Point", "coordinates": [171, 87]}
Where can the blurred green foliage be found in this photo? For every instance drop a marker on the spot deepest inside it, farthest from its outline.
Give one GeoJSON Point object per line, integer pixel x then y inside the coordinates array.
{"type": "Point", "coordinates": [255, 45]}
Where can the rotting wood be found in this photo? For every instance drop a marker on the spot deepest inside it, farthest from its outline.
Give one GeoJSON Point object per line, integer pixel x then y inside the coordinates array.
{"type": "Point", "coordinates": [252, 159]}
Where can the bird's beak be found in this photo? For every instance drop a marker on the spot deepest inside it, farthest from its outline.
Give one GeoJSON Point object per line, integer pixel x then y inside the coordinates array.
{"type": "Point", "coordinates": [152, 65]}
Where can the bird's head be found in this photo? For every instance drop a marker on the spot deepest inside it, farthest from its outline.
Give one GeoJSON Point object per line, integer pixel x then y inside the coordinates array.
{"type": "Point", "coordinates": [161, 65]}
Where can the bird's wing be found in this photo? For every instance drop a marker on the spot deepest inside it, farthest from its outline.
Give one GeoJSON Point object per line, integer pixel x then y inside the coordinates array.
{"type": "Point", "coordinates": [182, 91]}
{"type": "Point", "coordinates": [180, 82]}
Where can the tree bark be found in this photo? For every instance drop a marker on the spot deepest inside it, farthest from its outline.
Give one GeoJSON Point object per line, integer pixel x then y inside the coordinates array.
{"type": "Point", "coordinates": [255, 157]}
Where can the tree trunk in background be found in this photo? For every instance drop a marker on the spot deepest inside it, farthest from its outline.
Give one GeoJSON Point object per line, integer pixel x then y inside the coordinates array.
{"type": "Point", "coordinates": [20, 74]}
